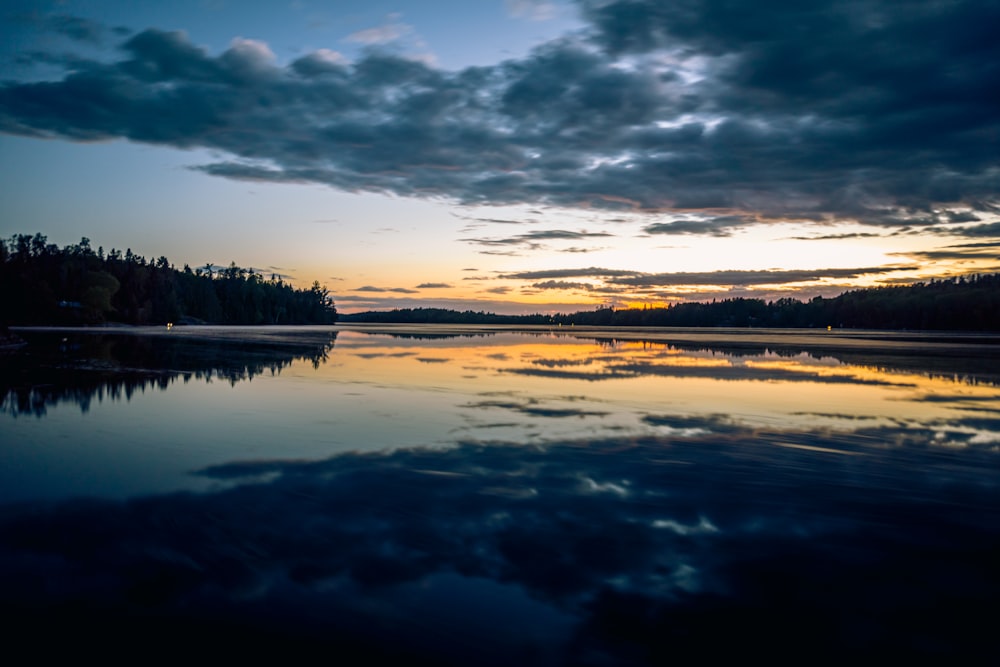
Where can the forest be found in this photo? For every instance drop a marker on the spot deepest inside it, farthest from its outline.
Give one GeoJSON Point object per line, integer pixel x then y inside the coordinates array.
{"type": "Point", "coordinates": [41, 283]}
{"type": "Point", "coordinates": [967, 303]}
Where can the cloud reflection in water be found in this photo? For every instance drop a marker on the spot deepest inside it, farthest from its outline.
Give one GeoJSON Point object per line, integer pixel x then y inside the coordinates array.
{"type": "Point", "coordinates": [859, 516]}
{"type": "Point", "coordinates": [638, 549]}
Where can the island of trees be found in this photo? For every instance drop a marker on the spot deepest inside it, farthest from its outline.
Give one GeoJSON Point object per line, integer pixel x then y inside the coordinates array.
{"type": "Point", "coordinates": [41, 283]}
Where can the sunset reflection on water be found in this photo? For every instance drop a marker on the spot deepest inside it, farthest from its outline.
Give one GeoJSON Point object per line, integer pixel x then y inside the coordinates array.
{"type": "Point", "coordinates": [612, 386]}
{"type": "Point", "coordinates": [458, 496]}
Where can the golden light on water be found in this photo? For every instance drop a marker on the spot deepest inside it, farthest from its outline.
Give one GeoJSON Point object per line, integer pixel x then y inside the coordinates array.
{"type": "Point", "coordinates": [615, 386]}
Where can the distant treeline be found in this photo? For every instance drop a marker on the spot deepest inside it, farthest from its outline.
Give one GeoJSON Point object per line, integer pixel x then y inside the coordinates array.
{"type": "Point", "coordinates": [970, 303]}
{"type": "Point", "coordinates": [41, 283]}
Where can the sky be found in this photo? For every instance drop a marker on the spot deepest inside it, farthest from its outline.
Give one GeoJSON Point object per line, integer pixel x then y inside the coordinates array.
{"type": "Point", "coordinates": [513, 156]}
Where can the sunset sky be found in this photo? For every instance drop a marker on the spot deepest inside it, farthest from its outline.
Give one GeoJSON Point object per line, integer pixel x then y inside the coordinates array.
{"type": "Point", "coordinates": [516, 156]}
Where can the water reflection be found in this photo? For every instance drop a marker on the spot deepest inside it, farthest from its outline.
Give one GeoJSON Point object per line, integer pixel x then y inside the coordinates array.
{"type": "Point", "coordinates": [623, 383]}
{"type": "Point", "coordinates": [627, 551]}
{"type": "Point", "coordinates": [497, 497]}
{"type": "Point", "coordinates": [80, 366]}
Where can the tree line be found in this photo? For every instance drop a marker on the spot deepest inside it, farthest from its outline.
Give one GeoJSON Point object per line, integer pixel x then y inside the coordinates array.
{"type": "Point", "coordinates": [41, 283]}
{"type": "Point", "coordinates": [967, 303]}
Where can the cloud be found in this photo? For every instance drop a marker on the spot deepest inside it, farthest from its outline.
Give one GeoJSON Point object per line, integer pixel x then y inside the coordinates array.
{"type": "Point", "coordinates": [562, 284]}
{"type": "Point", "coordinates": [372, 288]}
{"type": "Point", "coordinates": [718, 226]}
{"type": "Point", "coordinates": [515, 240]}
{"type": "Point", "coordinates": [765, 277]}
{"type": "Point", "coordinates": [766, 285]}
{"type": "Point", "coordinates": [319, 62]}
{"type": "Point", "coordinates": [499, 221]}
{"type": "Point", "coordinates": [531, 239]}
{"type": "Point", "coordinates": [591, 272]}
{"type": "Point", "coordinates": [433, 285]}
{"type": "Point", "coordinates": [958, 254]}
{"type": "Point", "coordinates": [822, 112]}
{"type": "Point", "coordinates": [987, 244]}
{"type": "Point", "coordinates": [837, 237]}
{"type": "Point", "coordinates": [976, 231]}
{"type": "Point", "coordinates": [560, 234]}
{"type": "Point", "coordinates": [962, 216]}
{"type": "Point", "coordinates": [382, 34]}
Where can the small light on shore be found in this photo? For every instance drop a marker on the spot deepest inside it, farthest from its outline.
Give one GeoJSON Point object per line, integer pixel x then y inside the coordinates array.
{"type": "Point", "coordinates": [170, 325]}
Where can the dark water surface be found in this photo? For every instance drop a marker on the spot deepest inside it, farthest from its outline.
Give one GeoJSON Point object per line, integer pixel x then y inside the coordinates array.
{"type": "Point", "coordinates": [477, 495]}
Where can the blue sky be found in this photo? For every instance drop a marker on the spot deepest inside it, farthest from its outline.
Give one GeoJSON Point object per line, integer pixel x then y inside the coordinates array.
{"type": "Point", "coordinates": [513, 156]}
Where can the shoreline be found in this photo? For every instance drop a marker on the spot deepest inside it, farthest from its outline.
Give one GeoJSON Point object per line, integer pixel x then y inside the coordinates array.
{"type": "Point", "coordinates": [871, 339]}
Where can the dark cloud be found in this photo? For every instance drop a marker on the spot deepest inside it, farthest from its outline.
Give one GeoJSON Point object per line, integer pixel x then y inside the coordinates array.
{"type": "Point", "coordinates": [962, 216]}
{"type": "Point", "coordinates": [560, 234]}
{"type": "Point", "coordinates": [817, 111]}
{"type": "Point", "coordinates": [592, 272]}
{"type": "Point", "coordinates": [718, 226]}
{"type": "Point", "coordinates": [749, 277]}
{"type": "Point", "coordinates": [838, 237]}
{"type": "Point", "coordinates": [531, 239]}
{"type": "Point", "coordinates": [956, 254]}
{"type": "Point", "coordinates": [620, 281]}
{"type": "Point", "coordinates": [500, 221]}
{"type": "Point", "coordinates": [397, 290]}
{"type": "Point", "coordinates": [514, 241]}
{"type": "Point", "coordinates": [356, 297]}
{"type": "Point", "coordinates": [561, 284]}
{"type": "Point", "coordinates": [985, 244]}
{"type": "Point", "coordinates": [976, 231]}
{"type": "Point", "coordinates": [433, 285]}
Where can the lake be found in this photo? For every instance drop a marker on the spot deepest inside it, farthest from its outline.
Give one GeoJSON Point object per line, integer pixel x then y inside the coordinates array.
{"type": "Point", "coordinates": [489, 495]}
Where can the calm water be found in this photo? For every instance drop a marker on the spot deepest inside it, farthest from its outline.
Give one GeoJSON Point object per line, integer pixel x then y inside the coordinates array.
{"type": "Point", "coordinates": [483, 495]}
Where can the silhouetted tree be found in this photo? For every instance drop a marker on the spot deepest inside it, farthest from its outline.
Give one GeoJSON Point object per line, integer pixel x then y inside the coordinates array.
{"type": "Point", "coordinates": [43, 284]}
